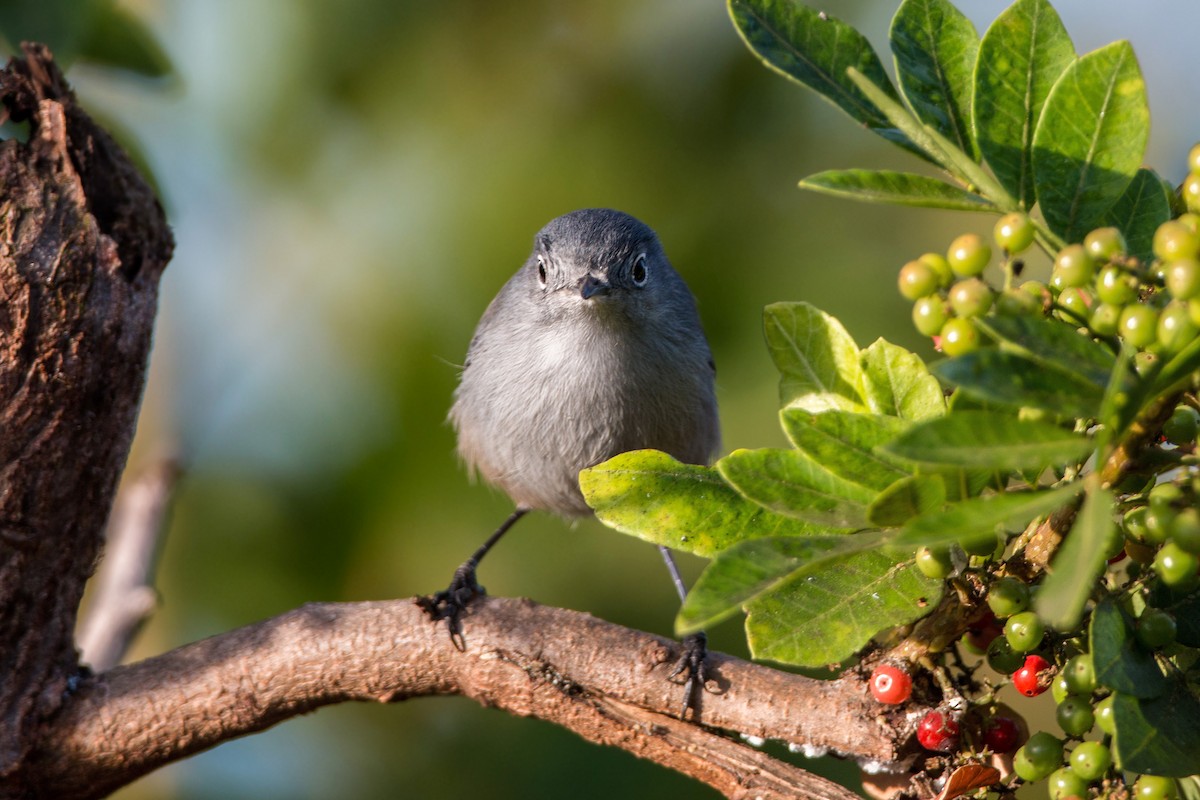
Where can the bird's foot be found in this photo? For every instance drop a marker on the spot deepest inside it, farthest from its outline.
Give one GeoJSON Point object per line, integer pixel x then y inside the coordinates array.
{"type": "Point", "coordinates": [451, 602]}
{"type": "Point", "coordinates": [692, 671]}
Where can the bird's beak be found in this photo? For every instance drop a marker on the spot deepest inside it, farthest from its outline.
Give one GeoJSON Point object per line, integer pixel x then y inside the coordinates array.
{"type": "Point", "coordinates": [592, 286]}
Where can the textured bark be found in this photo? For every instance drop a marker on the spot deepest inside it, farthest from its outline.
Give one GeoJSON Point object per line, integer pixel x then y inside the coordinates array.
{"type": "Point", "coordinates": [82, 244]}
{"type": "Point", "coordinates": [605, 682]}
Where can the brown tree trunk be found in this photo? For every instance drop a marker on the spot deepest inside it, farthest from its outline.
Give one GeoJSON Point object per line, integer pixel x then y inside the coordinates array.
{"type": "Point", "coordinates": [83, 242]}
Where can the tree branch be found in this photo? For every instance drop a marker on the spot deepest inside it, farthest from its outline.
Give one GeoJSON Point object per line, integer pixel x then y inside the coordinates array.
{"type": "Point", "coordinates": [605, 682]}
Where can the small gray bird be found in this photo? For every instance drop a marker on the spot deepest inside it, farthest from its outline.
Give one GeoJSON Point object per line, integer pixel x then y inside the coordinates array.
{"type": "Point", "coordinates": [593, 348]}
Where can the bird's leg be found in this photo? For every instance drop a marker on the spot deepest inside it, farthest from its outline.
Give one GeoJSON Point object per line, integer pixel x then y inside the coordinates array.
{"type": "Point", "coordinates": [449, 603]}
{"type": "Point", "coordinates": [691, 665]}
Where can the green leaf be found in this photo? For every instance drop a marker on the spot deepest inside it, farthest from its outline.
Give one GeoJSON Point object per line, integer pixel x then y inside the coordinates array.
{"type": "Point", "coordinates": [830, 613]}
{"type": "Point", "coordinates": [815, 50]}
{"type": "Point", "coordinates": [1090, 140]}
{"type": "Point", "coordinates": [900, 188]}
{"type": "Point", "coordinates": [1079, 562]}
{"type": "Point", "coordinates": [897, 383]}
{"type": "Point", "coordinates": [650, 495]}
{"type": "Point", "coordinates": [1121, 663]}
{"type": "Point", "coordinates": [844, 443]}
{"type": "Point", "coordinates": [905, 499]}
{"type": "Point", "coordinates": [989, 440]}
{"type": "Point", "coordinates": [1158, 736]}
{"type": "Point", "coordinates": [789, 483]}
{"type": "Point", "coordinates": [935, 46]}
{"type": "Point", "coordinates": [1053, 345]}
{"type": "Point", "coordinates": [1012, 380]}
{"type": "Point", "coordinates": [118, 38]}
{"type": "Point", "coordinates": [750, 569]}
{"type": "Point", "coordinates": [1138, 212]}
{"type": "Point", "coordinates": [1021, 55]}
{"type": "Point", "coordinates": [817, 359]}
{"type": "Point", "coordinates": [978, 516]}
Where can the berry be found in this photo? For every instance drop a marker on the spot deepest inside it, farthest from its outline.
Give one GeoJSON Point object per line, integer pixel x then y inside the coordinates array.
{"type": "Point", "coordinates": [1059, 689]}
{"type": "Point", "coordinates": [1176, 567]}
{"type": "Point", "coordinates": [1075, 715]}
{"type": "Point", "coordinates": [1064, 783]}
{"type": "Point", "coordinates": [1116, 286]}
{"type": "Point", "coordinates": [1008, 596]}
{"type": "Point", "coordinates": [1040, 756]}
{"type": "Point", "coordinates": [1190, 191]}
{"type": "Point", "coordinates": [959, 337]}
{"type": "Point", "coordinates": [1075, 265]}
{"type": "Point", "coordinates": [1090, 760]}
{"type": "Point", "coordinates": [1105, 319]}
{"type": "Point", "coordinates": [1164, 495]}
{"type": "Point", "coordinates": [1139, 325]}
{"type": "Point", "coordinates": [1104, 716]}
{"type": "Point", "coordinates": [1016, 302]}
{"type": "Point", "coordinates": [1000, 656]}
{"type": "Point", "coordinates": [1193, 161]}
{"type": "Point", "coordinates": [917, 279]}
{"type": "Point", "coordinates": [1080, 675]}
{"type": "Point", "coordinates": [1001, 734]}
{"type": "Point", "coordinates": [929, 315]}
{"type": "Point", "coordinates": [938, 732]}
{"type": "Point", "coordinates": [1183, 278]}
{"type": "Point", "coordinates": [1033, 677]}
{"type": "Point", "coordinates": [1173, 240]}
{"type": "Point", "coordinates": [983, 631]}
{"type": "Point", "coordinates": [1013, 232]}
{"type": "Point", "coordinates": [890, 684]}
{"type": "Point", "coordinates": [970, 297]}
{"type": "Point", "coordinates": [1024, 631]}
{"type": "Point", "coordinates": [1154, 787]}
{"type": "Point", "coordinates": [940, 266]}
{"type": "Point", "coordinates": [934, 562]}
{"type": "Point", "coordinates": [968, 255]}
{"type": "Point", "coordinates": [1104, 244]}
{"type": "Point", "coordinates": [1185, 530]}
{"type": "Point", "coordinates": [1182, 427]}
{"type": "Point", "coordinates": [1175, 327]}
{"type": "Point", "coordinates": [979, 545]}
{"type": "Point", "coordinates": [1155, 629]}
{"type": "Point", "coordinates": [1078, 302]}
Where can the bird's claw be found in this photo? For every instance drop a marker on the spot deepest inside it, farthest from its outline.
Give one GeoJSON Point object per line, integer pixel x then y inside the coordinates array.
{"type": "Point", "coordinates": [693, 667]}
{"type": "Point", "coordinates": [451, 602]}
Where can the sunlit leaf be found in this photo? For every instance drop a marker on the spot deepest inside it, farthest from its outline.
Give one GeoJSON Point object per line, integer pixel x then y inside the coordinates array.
{"type": "Point", "coordinates": [898, 383]}
{"type": "Point", "coordinates": [1090, 140]}
{"type": "Point", "coordinates": [789, 483]}
{"type": "Point", "coordinates": [899, 188]}
{"type": "Point", "coordinates": [988, 440]}
{"type": "Point", "coordinates": [844, 443]}
{"type": "Point", "coordinates": [978, 516]}
{"type": "Point", "coordinates": [1021, 55]}
{"type": "Point", "coordinates": [817, 359]}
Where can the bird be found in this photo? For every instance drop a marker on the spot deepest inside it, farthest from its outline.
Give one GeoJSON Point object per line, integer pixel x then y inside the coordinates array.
{"type": "Point", "coordinates": [593, 348]}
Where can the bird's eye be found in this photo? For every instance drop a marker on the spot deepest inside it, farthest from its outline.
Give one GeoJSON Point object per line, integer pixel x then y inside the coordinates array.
{"type": "Point", "coordinates": [639, 270]}
{"type": "Point", "coordinates": [541, 271]}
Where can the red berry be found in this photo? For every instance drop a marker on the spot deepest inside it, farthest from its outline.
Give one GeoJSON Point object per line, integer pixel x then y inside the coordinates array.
{"type": "Point", "coordinates": [890, 684]}
{"type": "Point", "coordinates": [1033, 677]}
{"type": "Point", "coordinates": [1001, 734]}
{"type": "Point", "coordinates": [938, 732]}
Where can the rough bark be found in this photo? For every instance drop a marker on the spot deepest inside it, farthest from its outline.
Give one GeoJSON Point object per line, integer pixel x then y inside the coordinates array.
{"type": "Point", "coordinates": [607, 683]}
{"type": "Point", "coordinates": [82, 244]}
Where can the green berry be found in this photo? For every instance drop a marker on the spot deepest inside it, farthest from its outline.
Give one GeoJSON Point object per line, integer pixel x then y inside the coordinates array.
{"type": "Point", "coordinates": [1165, 495]}
{"type": "Point", "coordinates": [1157, 522]}
{"type": "Point", "coordinates": [940, 266]}
{"type": "Point", "coordinates": [1090, 760]}
{"type": "Point", "coordinates": [1139, 325]}
{"type": "Point", "coordinates": [1190, 191]}
{"type": "Point", "coordinates": [1154, 787]}
{"type": "Point", "coordinates": [1064, 783]}
{"type": "Point", "coordinates": [1013, 232]}
{"type": "Point", "coordinates": [1104, 244]}
{"type": "Point", "coordinates": [1183, 278]}
{"type": "Point", "coordinates": [1184, 530]}
{"type": "Point", "coordinates": [1174, 240]}
{"type": "Point", "coordinates": [1080, 675]}
{"type": "Point", "coordinates": [1008, 596]}
{"type": "Point", "coordinates": [970, 297]}
{"type": "Point", "coordinates": [1105, 319]}
{"type": "Point", "coordinates": [1145, 362]}
{"type": "Point", "coordinates": [1183, 425]}
{"type": "Point", "coordinates": [1000, 656]}
{"type": "Point", "coordinates": [934, 562]}
{"type": "Point", "coordinates": [1175, 327]}
{"type": "Point", "coordinates": [916, 280]}
{"type": "Point", "coordinates": [1156, 629]}
{"type": "Point", "coordinates": [1039, 756]}
{"type": "Point", "coordinates": [1076, 302]}
{"type": "Point", "coordinates": [1024, 631]}
{"type": "Point", "coordinates": [1104, 716]}
{"type": "Point", "coordinates": [929, 315]}
{"type": "Point", "coordinates": [1059, 689]}
{"type": "Point", "coordinates": [1017, 303]}
{"type": "Point", "coordinates": [968, 255]}
{"type": "Point", "coordinates": [1176, 567]}
{"type": "Point", "coordinates": [1116, 286]}
{"type": "Point", "coordinates": [1075, 715]}
{"type": "Point", "coordinates": [1190, 221]}
{"type": "Point", "coordinates": [1193, 161]}
{"type": "Point", "coordinates": [1075, 265]}
{"type": "Point", "coordinates": [959, 337]}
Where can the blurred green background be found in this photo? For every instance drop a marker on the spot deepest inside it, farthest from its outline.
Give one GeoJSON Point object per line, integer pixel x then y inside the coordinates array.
{"type": "Point", "coordinates": [350, 182]}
